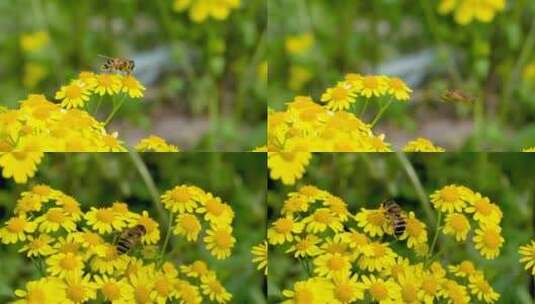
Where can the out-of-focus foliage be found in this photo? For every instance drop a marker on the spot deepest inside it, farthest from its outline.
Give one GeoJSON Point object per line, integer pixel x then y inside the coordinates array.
{"type": "Point", "coordinates": [313, 43]}
{"type": "Point", "coordinates": [205, 88]}
{"type": "Point", "coordinates": [365, 180]}
{"type": "Point", "coordinates": [101, 178]}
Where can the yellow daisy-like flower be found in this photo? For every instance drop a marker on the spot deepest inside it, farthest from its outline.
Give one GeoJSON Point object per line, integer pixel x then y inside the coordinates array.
{"type": "Point", "coordinates": [111, 262]}
{"type": "Point", "coordinates": [421, 145]}
{"type": "Point", "coordinates": [143, 285]}
{"type": "Point", "coordinates": [132, 86]}
{"type": "Point", "coordinates": [20, 164]}
{"type": "Point", "coordinates": [306, 246]}
{"type": "Point", "coordinates": [215, 211]}
{"type": "Point", "coordinates": [74, 95]}
{"type": "Point", "coordinates": [339, 97]}
{"type": "Point", "coordinates": [466, 11]}
{"type": "Point", "coordinates": [482, 289]}
{"type": "Point", "coordinates": [449, 199]}
{"type": "Point", "coordinates": [152, 234]}
{"type": "Point", "coordinates": [322, 219]}
{"type": "Point", "coordinates": [283, 230]}
{"type": "Point", "coordinates": [299, 44]}
{"type": "Point", "coordinates": [374, 86]}
{"type": "Point", "coordinates": [104, 220]}
{"type": "Point", "coordinates": [415, 231]}
{"type": "Point", "coordinates": [54, 219]}
{"type": "Point", "coordinates": [332, 265]}
{"type": "Point", "coordinates": [92, 241]}
{"type": "Point", "coordinates": [164, 285]}
{"type": "Point", "coordinates": [109, 84]}
{"type": "Point", "coordinates": [464, 269]}
{"type": "Point", "coordinates": [201, 10]}
{"type": "Point", "coordinates": [155, 143]}
{"type": "Point", "coordinates": [528, 256]}
{"type": "Point", "coordinates": [457, 224]}
{"type": "Point", "coordinates": [430, 286]}
{"type": "Point", "coordinates": [312, 291]}
{"type": "Point", "coordinates": [211, 287]}
{"type": "Point", "coordinates": [80, 289]}
{"type": "Point", "coordinates": [399, 89]}
{"type": "Point", "coordinates": [531, 149]}
{"type": "Point", "coordinates": [181, 199]}
{"type": "Point", "coordinates": [379, 257]}
{"type": "Point", "coordinates": [288, 166]}
{"type": "Point", "coordinates": [410, 287]}
{"type": "Point", "coordinates": [189, 294]}
{"type": "Point", "coordinates": [39, 246]}
{"type": "Point", "coordinates": [197, 269]}
{"type": "Point", "coordinates": [483, 210]}
{"type": "Point", "coordinates": [488, 240]}
{"type": "Point", "coordinates": [32, 42]}
{"type": "Point", "coordinates": [62, 265]}
{"type": "Point", "coordinates": [188, 225]}
{"type": "Point", "coordinates": [348, 289]}
{"type": "Point", "coordinates": [260, 256]}
{"type": "Point", "coordinates": [28, 203]}
{"type": "Point", "coordinates": [381, 291]}
{"type": "Point", "coordinates": [372, 221]}
{"type": "Point", "coordinates": [70, 206]}
{"type": "Point", "coordinates": [219, 241]}
{"type": "Point", "coordinates": [110, 143]}
{"type": "Point", "coordinates": [88, 79]}
{"type": "Point", "coordinates": [15, 229]}
{"type": "Point", "coordinates": [46, 290]}
{"type": "Point", "coordinates": [113, 290]}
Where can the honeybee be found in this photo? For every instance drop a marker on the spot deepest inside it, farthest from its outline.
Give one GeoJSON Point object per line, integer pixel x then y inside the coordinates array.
{"type": "Point", "coordinates": [396, 217]}
{"type": "Point", "coordinates": [130, 238]}
{"type": "Point", "coordinates": [456, 96]}
{"type": "Point", "coordinates": [116, 65]}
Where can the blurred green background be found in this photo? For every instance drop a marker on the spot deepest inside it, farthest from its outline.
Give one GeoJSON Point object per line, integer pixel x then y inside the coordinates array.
{"type": "Point", "coordinates": [364, 180]}
{"type": "Point", "coordinates": [205, 85]}
{"type": "Point", "coordinates": [491, 62]}
{"type": "Point", "coordinates": [100, 179]}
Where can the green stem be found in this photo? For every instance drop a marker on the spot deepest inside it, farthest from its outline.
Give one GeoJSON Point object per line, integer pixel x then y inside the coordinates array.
{"type": "Point", "coordinates": [167, 237]}
{"type": "Point", "coordinates": [437, 231]}
{"type": "Point", "coordinates": [525, 53]}
{"type": "Point", "coordinates": [115, 110]}
{"type": "Point", "coordinates": [363, 110]}
{"type": "Point", "coordinates": [97, 107]}
{"type": "Point", "coordinates": [381, 112]}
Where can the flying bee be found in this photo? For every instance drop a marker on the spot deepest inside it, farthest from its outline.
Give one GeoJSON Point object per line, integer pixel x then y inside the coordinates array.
{"type": "Point", "coordinates": [395, 216]}
{"type": "Point", "coordinates": [456, 96]}
{"type": "Point", "coordinates": [130, 238]}
{"type": "Point", "coordinates": [116, 65]}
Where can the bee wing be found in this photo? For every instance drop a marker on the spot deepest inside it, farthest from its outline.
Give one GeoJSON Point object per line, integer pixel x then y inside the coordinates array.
{"type": "Point", "coordinates": [103, 56]}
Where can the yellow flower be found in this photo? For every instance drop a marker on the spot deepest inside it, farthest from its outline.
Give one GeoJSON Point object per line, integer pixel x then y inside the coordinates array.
{"type": "Point", "coordinates": [449, 199]}
{"type": "Point", "coordinates": [488, 240]}
{"type": "Point", "coordinates": [299, 76]}
{"type": "Point", "coordinates": [89, 79]}
{"type": "Point", "coordinates": [374, 86]}
{"type": "Point", "coordinates": [39, 246]}
{"type": "Point", "coordinates": [32, 42]}
{"type": "Point", "coordinates": [321, 219]}
{"type": "Point", "coordinates": [215, 211]}
{"type": "Point", "coordinates": [219, 241]}
{"type": "Point", "coordinates": [330, 265]}
{"type": "Point", "coordinates": [260, 256]}
{"type": "Point", "coordinates": [143, 286]}
{"type": "Point", "coordinates": [382, 291]}
{"type": "Point", "coordinates": [312, 291]}
{"type": "Point", "coordinates": [80, 289]}
{"type": "Point", "coordinates": [27, 204]}
{"type": "Point", "coordinates": [482, 289]}
{"type": "Point", "coordinates": [54, 219]}
{"type": "Point", "coordinates": [422, 145]}
{"type": "Point", "coordinates": [379, 257]}
{"type": "Point", "coordinates": [110, 262]}
{"type": "Point", "coordinates": [339, 97]}
{"type": "Point", "coordinates": [299, 44]}
{"type": "Point", "coordinates": [430, 286]}
{"type": "Point", "coordinates": [155, 143]}
{"type": "Point", "coordinates": [152, 235]}
{"type": "Point", "coordinates": [372, 221]}
{"type": "Point", "coordinates": [483, 210]}
{"type": "Point", "coordinates": [15, 229]}
{"type": "Point", "coordinates": [458, 225]}
{"type": "Point", "coordinates": [465, 11]}
{"type": "Point", "coordinates": [283, 230]}
{"type": "Point", "coordinates": [528, 256]}
{"type": "Point", "coordinates": [181, 199]}
{"type": "Point", "coordinates": [113, 290]}
{"type": "Point", "coordinates": [104, 220]}
{"type": "Point", "coordinates": [110, 143]}
{"type": "Point", "coordinates": [74, 95]}
{"type": "Point", "coordinates": [46, 290]}
{"type": "Point", "coordinates": [398, 89]}
{"type": "Point", "coordinates": [464, 269]}
{"type": "Point", "coordinates": [70, 206]}
{"type": "Point", "coordinates": [197, 269]}
{"type": "Point", "coordinates": [189, 294]}
{"type": "Point", "coordinates": [288, 166]}
{"type": "Point", "coordinates": [187, 225]}
{"type": "Point", "coordinates": [34, 73]}
{"type": "Point", "coordinates": [415, 231]}
{"type": "Point", "coordinates": [410, 287]}
{"type": "Point", "coordinates": [61, 265]}
{"type": "Point", "coordinates": [107, 84]}
{"type": "Point", "coordinates": [92, 241]}
{"type": "Point", "coordinates": [531, 149]}
{"type": "Point", "coordinates": [306, 246]}
{"type": "Point", "coordinates": [211, 287]}
{"type": "Point", "coordinates": [132, 86]}
{"type": "Point", "coordinates": [348, 289]}
{"type": "Point", "coordinates": [20, 164]}
{"type": "Point", "coordinates": [200, 10]}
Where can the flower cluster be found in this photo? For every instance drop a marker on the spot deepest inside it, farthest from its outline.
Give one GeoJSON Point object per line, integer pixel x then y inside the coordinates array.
{"type": "Point", "coordinates": [77, 254]}
{"type": "Point", "coordinates": [347, 257]}
{"type": "Point", "coordinates": [306, 126]}
{"type": "Point", "coordinates": [457, 204]}
{"type": "Point", "coordinates": [528, 256]}
{"type": "Point", "coordinates": [466, 11]}
{"type": "Point", "coordinates": [200, 10]}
